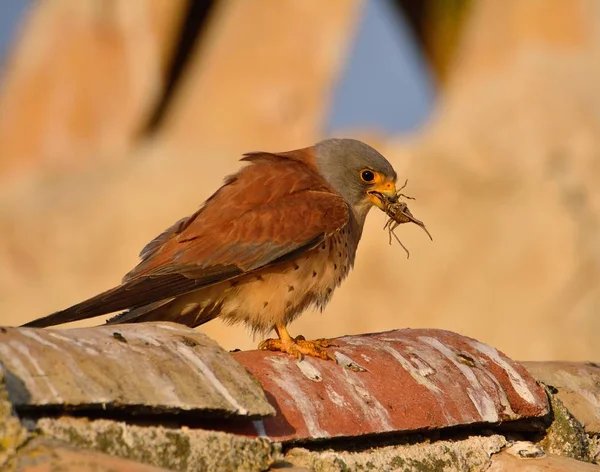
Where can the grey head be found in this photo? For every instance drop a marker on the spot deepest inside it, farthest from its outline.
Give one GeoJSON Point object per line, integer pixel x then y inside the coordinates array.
{"type": "Point", "coordinates": [360, 174]}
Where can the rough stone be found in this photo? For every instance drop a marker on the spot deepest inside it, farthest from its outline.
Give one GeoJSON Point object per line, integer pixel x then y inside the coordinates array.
{"type": "Point", "coordinates": [577, 386]}
{"type": "Point", "coordinates": [471, 454]}
{"type": "Point", "coordinates": [12, 433]}
{"type": "Point", "coordinates": [44, 455]}
{"type": "Point", "coordinates": [154, 367]}
{"type": "Point", "coordinates": [595, 448]}
{"type": "Point", "coordinates": [566, 436]}
{"type": "Point", "coordinates": [180, 449]}
{"type": "Point", "coordinates": [403, 380]}
{"type": "Point", "coordinates": [521, 457]}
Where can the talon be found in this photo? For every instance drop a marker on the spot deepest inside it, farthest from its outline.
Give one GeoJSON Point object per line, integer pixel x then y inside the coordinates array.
{"type": "Point", "coordinates": [322, 342]}
{"type": "Point", "coordinates": [270, 345]}
{"type": "Point", "coordinates": [299, 347]}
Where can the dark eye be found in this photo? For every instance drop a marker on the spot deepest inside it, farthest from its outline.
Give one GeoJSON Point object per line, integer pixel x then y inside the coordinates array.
{"type": "Point", "coordinates": [367, 176]}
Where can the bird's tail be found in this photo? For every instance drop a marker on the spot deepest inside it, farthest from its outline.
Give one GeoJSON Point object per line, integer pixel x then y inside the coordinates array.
{"type": "Point", "coordinates": [186, 310]}
{"type": "Point", "coordinates": [112, 300]}
{"type": "Point", "coordinates": [146, 299]}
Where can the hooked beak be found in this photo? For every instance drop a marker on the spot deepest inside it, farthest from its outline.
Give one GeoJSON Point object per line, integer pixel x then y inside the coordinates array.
{"type": "Point", "coordinates": [382, 192]}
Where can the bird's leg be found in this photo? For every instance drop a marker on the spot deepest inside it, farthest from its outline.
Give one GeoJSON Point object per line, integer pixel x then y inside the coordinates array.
{"type": "Point", "coordinates": [298, 346]}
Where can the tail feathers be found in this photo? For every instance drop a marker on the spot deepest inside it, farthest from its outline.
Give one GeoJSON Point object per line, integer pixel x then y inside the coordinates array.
{"type": "Point", "coordinates": [157, 311]}
{"type": "Point", "coordinates": [132, 294]}
{"type": "Point", "coordinates": [106, 302]}
{"type": "Point", "coordinates": [186, 310]}
{"type": "Point", "coordinates": [147, 299]}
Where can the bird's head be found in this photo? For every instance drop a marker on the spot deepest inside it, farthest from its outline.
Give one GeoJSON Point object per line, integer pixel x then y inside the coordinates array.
{"type": "Point", "coordinates": [357, 172]}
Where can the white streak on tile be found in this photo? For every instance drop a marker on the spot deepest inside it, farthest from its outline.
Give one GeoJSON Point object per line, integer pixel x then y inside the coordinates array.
{"type": "Point", "coordinates": [191, 355]}
{"type": "Point", "coordinates": [415, 373]}
{"type": "Point", "coordinates": [40, 374]}
{"type": "Point", "coordinates": [484, 404]}
{"type": "Point", "coordinates": [284, 378]}
{"type": "Point", "coordinates": [29, 333]}
{"type": "Point", "coordinates": [517, 382]}
{"type": "Point", "coordinates": [336, 398]}
{"type": "Point", "coordinates": [309, 371]}
{"type": "Point", "coordinates": [369, 405]}
{"type": "Point", "coordinates": [79, 343]}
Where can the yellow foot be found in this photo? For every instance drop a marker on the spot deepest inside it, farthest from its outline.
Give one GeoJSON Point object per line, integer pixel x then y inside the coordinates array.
{"type": "Point", "coordinates": [300, 347]}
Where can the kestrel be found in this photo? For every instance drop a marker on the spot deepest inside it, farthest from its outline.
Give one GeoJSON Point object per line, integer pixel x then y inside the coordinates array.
{"type": "Point", "coordinates": [278, 237]}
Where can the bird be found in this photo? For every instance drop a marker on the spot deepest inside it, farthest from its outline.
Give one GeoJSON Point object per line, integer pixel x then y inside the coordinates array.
{"type": "Point", "coordinates": [279, 236]}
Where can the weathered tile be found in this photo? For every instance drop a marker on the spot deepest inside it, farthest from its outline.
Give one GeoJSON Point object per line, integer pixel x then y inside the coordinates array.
{"type": "Point", "coordinates": [150, 367]}
{"type": "Point", "coordinates": [405, 380]}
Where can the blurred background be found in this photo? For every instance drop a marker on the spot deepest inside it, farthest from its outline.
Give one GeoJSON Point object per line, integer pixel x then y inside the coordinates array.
{"type": "Point", "coordinates": [117, 118]}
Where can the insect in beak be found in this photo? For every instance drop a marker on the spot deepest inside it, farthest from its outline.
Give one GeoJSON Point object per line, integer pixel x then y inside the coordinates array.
{"type": "Point", "coordinates": [398, 214]}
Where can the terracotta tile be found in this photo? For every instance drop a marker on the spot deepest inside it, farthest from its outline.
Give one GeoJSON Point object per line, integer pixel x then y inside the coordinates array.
{"type": "Point", "coordinates": [405, 380]}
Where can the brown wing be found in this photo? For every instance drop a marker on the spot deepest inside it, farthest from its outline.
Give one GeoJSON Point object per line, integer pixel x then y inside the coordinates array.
{"type": "Point", "coordinates": [268, 212]}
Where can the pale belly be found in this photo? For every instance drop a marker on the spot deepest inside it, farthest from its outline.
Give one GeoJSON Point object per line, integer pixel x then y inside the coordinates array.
{"type": "Point", "coordinates": [274, 295]}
